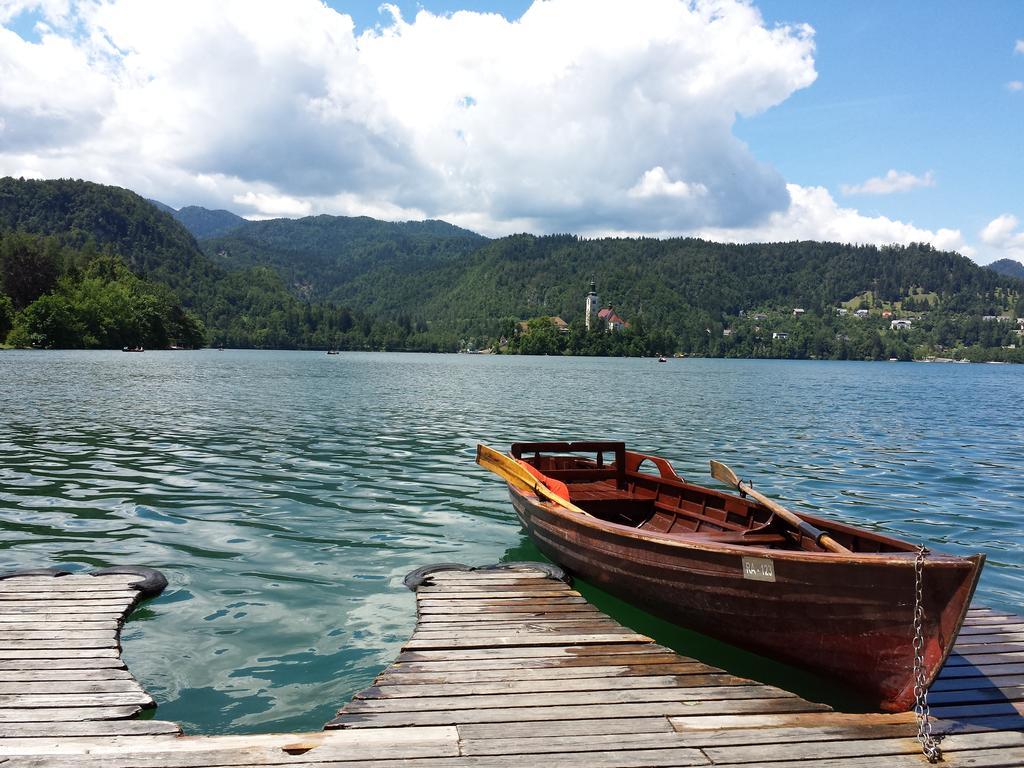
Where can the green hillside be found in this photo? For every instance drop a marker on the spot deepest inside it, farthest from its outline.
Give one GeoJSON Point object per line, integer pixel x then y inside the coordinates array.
{"type": "Point", "coordinates": [375, 265]}
{"type": "Point", "coordinates": [359, 283]}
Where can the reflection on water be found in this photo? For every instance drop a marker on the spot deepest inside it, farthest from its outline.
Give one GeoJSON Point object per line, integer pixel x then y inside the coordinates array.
{"type": "Point", "coordinates": [285, 495]}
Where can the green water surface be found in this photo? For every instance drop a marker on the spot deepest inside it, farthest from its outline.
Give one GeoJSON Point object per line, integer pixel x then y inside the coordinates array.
{"type": "Point", "coordinates": [286, 494]}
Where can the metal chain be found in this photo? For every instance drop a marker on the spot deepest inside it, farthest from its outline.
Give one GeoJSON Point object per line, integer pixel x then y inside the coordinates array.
{"type": "Point", "coordinates": [929, 744]}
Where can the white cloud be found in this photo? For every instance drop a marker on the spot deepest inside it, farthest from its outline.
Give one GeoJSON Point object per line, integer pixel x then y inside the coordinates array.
{"type": "Point", "coordinates": [1003, 237]}
{"type": "Point", "coordinates": [656, 183]}
{"type": "Point", "coordinates": [815, 215]}
{"type": "Point", "coordinates": [270, 205]}
{"type": "Point", "coordinates": [1019, 47]}
{"type": "Point", "coordinates": [1015, 85]}
{"type": "Point", "coordinates": [550, 120]}
{"type": "Point", "coordinates": [893, 182]}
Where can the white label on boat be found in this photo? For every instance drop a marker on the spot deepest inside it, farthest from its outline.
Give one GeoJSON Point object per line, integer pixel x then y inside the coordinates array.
{"type": "Point", "coordinates": [758, 569]}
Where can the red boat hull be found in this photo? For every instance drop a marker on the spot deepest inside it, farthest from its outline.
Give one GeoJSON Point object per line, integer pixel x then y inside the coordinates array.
{"type": "Point", "coordinates": [847, 617]}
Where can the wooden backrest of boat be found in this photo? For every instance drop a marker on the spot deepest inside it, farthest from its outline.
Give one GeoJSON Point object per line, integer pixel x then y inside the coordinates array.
{"type": "Point", "coordinates": [568, 469]}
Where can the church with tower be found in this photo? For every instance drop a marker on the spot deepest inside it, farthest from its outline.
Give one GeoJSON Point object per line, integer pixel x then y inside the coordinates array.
{"type": "Point", "coordinates": [601, 318]}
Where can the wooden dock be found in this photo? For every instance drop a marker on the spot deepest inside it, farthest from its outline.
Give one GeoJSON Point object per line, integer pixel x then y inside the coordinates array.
{"type": "Point", "coordinates": [506, 668]}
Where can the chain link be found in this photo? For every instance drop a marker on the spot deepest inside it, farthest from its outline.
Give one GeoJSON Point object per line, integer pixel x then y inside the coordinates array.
{"type": "Point", "coordinates": [929, 744]}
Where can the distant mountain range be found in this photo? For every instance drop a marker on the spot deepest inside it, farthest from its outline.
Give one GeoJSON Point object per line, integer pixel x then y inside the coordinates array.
{"type": "Point", "coordinates": [295, 281]}
{"type": "Point", "coordinates": [1008, 267]}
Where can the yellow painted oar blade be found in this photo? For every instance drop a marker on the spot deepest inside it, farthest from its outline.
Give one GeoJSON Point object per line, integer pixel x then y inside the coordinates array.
{"type": "Point", "coordinates": [512, 472]}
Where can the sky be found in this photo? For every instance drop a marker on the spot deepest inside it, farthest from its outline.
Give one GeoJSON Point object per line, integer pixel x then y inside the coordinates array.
{"type": "Point", "coordinates": [864, 122]}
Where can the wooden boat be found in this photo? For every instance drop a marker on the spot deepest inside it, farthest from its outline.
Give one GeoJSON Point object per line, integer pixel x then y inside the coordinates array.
{"type": "Point", "coordinates": [731, 568]}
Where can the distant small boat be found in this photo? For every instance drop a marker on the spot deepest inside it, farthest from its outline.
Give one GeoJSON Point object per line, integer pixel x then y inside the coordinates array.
{"type": "Point", "coordinates": [662, 359]}
{"type": "Point", "coordinates": [333, 352]}
{"type": "Point", "coordinates": [132, 349]}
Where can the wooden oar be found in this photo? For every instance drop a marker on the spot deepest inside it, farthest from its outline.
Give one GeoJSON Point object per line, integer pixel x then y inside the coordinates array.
{"type": "Point", "coordinates": [721, 472]}
{"type": "Point", "coordinates": [509, 469]}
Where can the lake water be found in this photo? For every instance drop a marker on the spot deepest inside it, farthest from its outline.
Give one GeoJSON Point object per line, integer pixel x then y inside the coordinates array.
{"type": "Point", "coordinates": [286, 494]}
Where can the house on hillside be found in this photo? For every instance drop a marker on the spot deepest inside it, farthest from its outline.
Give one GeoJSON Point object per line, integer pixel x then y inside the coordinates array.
{"type": "Point", "coordinates": [611, 320]}
{"type": "Point", "coordinates": [862, 313]}
{"type": "Point", "coordinates": [780, 335]}
{"type": "Point", "coordinates": [798, 312]}
{"type": "Point", "coordinates": [900, 325]}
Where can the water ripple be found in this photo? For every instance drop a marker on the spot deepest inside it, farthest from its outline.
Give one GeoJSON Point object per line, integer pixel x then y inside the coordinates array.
{"type": "Point", "coordinates": [285, 495]}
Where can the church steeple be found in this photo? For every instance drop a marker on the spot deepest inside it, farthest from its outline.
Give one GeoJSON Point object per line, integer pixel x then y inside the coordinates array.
{"type": "Point", "coordinates": [593, 304]}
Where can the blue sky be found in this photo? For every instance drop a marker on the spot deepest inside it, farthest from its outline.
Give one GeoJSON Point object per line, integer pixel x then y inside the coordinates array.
{"type": "Point", "coordinates": [889, 122]}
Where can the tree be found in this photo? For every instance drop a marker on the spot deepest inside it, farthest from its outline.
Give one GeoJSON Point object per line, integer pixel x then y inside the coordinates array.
{"type": "Point", "coordinates": [29, 267]}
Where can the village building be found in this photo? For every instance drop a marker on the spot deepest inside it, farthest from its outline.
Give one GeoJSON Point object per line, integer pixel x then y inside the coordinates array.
{"type": "Point", "coordinates": [593, 303]}
{"type": "Point", "coordinates": [597, 318]}
{"type": "Point", "coordinates": [612, 321]}
{"type": "Point", "coordinates": [898, 325]}
{"type": "Point", "coordinates": [780, 335]}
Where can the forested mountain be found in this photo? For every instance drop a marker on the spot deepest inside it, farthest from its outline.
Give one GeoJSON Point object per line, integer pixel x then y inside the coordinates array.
{"type": "Point", "coordinates": [1008, 267]}
{"type": "Point", "coordinates": [90, 218]}
{"type": "Point", "coordinates": [378, 266]}
{"type": "Point", "coordinates": [202, 222]}
{"type": "Point", "coordinates": [361, 283]}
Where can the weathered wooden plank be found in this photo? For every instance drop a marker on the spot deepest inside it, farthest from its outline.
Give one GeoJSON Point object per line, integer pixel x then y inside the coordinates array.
{"type": "Point", "coordinates": [704, 694]}
{"type": "Point", "coordinates": [527, 607]}
{"type": "Point", "coordinates": [37, 627]}
{"type": "Point", "coordinates": [65, 653]}
{"type": "Point", "coordinates": [577, 712]}
{"type": "Point", "coordinates": [535, 627]}
{"type": "Point", "coordinates": [502, 575]}
{"type": "Point", "coordinates": [987, 620]}
{"type": "Point", "coordinates": [86, 728]}
{"type": "Point", "coordinates": [145, 744]}
{"type": "Point", "coordinates": [529, 628]}
{"type": "Point", "coordinates": [990, 638]}
{"type": "Point", "coordinates": [62, 675]}
{"type": "Point", "coordinates": [487, 619]}
{"type": "Point", "coordinates": [57, 714]}
{"type": "Point", "coordinates": [409, 662]}
{"type": "Point", "coordinates": [122, 595]}
{"type": "Point", "coordinates": [761, 753]}
{"type": "Point", "coordinates": [543, 623]}
{"type": "Point", "coordinates": [968, 683]}
{"type": "Point", "coordinates": [815, 719]}
{"type": "Point", "coordinates": [523, 639]}
{"type": "Point", "coordinates": [527, 652]}
{"type": "Point", "coordinates": [68, 686]}
{"type": "Point", "coordinates": [448, 688]}
{"type": "Point", "coordinates": [110, 661]}
{"type": "Point", "coordinates": [66, 586]}
{"type": "Point", "coordinates": [61, 617]}
{"type": "Point", "coordinates": [995, 657]}
{"type": "Point", "coordinates": [977, 695]}
{"type": "Point", "coordinates": [77, 606]}
{"type": "Point", "coordinates": [541, 728]}
{"type": "Point", "coordinates": [108, 636]}
{"type": "Point", "coordinates": [71, 642]}
{"type": "Point", "coordinates": [988, 758]}
{"type": "Point", "coordinates": [496, 605]}
{"type": "Point", "coordinates": [45, 700]}
{"type": "Point", "coordinates": [494, 589]}
{"type": "Point", "coordinates": [984, 670]}
{"type": "Point", "coordinates": [401, 676]}
{"type": "Point", "coordinates": [989, 628]}
{"type": "Point", "coordinates": [270, 749]}
{"type": "Point", "coordinates": [961, 711]}
{"type": "Point", "coordinates": [585, 742]}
